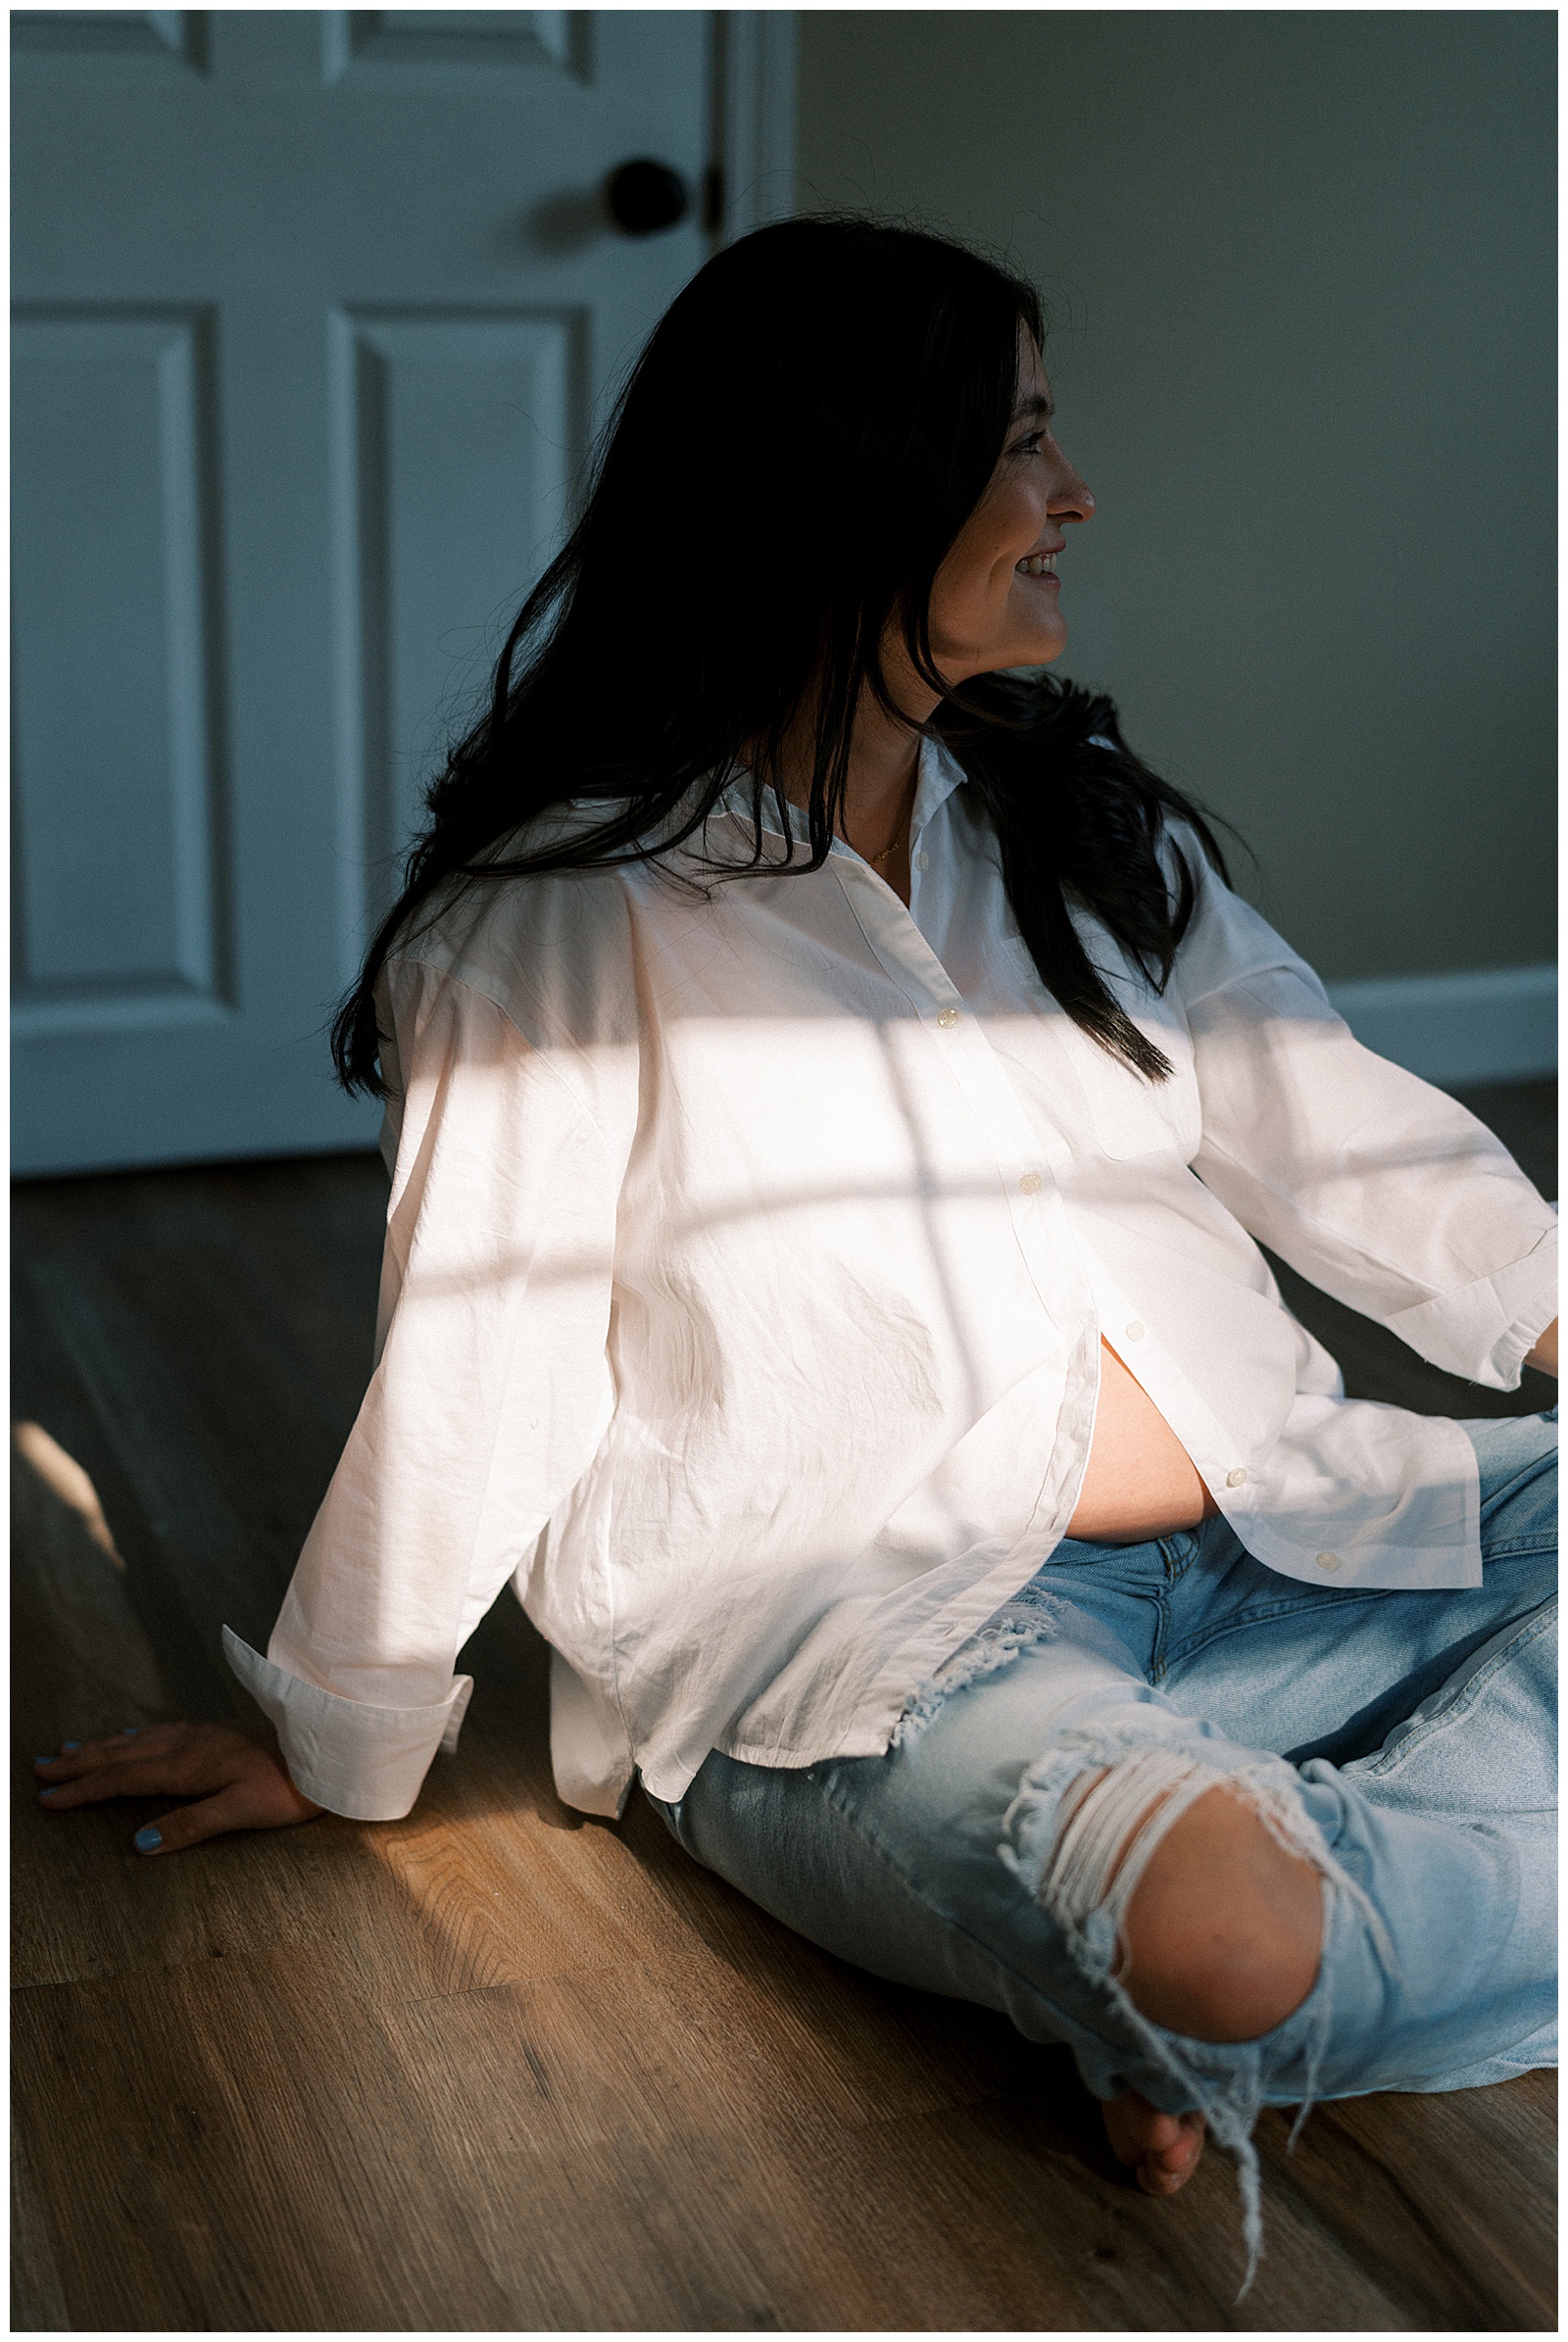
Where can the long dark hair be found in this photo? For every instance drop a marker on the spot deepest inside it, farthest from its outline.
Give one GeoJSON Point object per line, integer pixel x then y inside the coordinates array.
{"type": "Point", "coordinates": [806, 433]}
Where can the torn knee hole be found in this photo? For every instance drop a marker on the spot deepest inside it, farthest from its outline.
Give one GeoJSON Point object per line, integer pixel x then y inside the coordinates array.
{"type": "Point", "coordinates": [1109, 1825]}
{"type": "Point", "coordinates": [1220, 1945]}
{"type": "Point", "coordinates": [1090, 1815]}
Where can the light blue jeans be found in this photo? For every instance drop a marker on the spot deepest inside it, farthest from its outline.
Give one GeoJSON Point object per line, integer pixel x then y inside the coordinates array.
{"type": "Point", "coordinates": [1404, 1742]}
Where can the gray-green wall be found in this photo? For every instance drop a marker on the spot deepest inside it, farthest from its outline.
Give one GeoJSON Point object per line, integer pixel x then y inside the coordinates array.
{"type": "Point", "coordinates": [1301, 267]}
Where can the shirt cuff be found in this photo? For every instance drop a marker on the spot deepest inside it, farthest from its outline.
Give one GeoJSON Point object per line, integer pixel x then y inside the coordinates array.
{"type": "Point", "coordinates": [1486, 1331]}
{"type": "Point", "coordinates": [366, 1762]}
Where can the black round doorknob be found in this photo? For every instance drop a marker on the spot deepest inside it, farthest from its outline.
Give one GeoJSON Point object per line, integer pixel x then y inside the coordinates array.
{"type": "Point", "coordinates": [646, 197]}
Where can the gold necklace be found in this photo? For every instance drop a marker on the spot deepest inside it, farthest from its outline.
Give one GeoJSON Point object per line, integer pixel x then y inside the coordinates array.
{"type": "Point", "coordinates": [887, 851]}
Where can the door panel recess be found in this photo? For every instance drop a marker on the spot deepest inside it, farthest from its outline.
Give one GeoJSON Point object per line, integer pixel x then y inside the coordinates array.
{"type": "Point", "coordinates": [435, 413]}
{"type": "Point", "coordinates": [119, 889]}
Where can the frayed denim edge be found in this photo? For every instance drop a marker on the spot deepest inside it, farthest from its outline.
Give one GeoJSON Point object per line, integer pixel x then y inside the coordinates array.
{"type": "Point", "coordinates": [1231, 2107]}
{"type": "Point", "coordinates": [994, 1646]}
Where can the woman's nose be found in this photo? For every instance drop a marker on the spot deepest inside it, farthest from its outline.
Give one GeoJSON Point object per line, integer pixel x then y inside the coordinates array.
{"type": "Point", "coordinates": [1070, 499]}
{"type": "Point", "coordinates": [1073, 501]}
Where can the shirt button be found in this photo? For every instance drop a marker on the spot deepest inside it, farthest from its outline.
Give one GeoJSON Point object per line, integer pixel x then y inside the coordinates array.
{"type": "Point", "coordinates": [1328, 1561]}
{"type": "Point", "coordinates": [1029, 1185]}
{"type": "Point", "coordinates": [947, 1017]}
{"type": "Point", "coordinates": [1136, 1331]}
{"type": "Point", "coordinates": [922, 861]}
{"type": "Point", "coordinates": [1234, 1479]}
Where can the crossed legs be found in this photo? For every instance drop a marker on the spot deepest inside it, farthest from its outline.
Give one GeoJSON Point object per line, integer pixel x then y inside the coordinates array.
{"type": "Point", "coordinates": [1210, 1922]}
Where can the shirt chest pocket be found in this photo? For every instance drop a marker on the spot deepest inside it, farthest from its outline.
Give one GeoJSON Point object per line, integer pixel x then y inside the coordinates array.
{"type": "Point", "coordinates": [1130, 1115]}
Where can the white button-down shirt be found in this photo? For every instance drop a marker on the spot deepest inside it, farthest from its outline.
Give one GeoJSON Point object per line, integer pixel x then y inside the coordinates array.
{"type": "Point", "coordinates": [748, 1255]}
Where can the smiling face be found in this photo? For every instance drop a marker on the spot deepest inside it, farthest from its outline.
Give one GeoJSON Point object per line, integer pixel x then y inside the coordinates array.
{"type": "Point", "coordinates": [995, 602]}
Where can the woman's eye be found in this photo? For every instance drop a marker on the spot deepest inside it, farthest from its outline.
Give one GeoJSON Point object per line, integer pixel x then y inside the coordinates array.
{"type": "Point", "coordinates": [1030, 445]}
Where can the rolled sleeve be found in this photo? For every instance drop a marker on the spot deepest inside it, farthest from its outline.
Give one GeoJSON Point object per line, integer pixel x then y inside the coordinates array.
{"type": "Point", "coordinates": [348, 1755]}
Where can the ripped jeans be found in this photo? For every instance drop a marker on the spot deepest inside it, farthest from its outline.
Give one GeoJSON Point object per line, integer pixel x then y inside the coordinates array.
{"type": "Point", "coordinates": [1404, 1742]}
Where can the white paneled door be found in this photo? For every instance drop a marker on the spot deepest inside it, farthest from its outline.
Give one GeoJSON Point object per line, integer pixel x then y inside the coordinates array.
{"type": "Point", "coordinates": [315, 313]}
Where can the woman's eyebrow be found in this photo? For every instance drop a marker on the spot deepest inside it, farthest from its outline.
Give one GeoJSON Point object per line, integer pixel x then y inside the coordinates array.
{"type": "Point", "coordinates": [1038, 402]}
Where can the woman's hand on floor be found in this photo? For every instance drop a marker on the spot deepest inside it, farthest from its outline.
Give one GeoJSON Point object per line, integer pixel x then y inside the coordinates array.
{"type": "Point", "coordinates": [234, 1783]}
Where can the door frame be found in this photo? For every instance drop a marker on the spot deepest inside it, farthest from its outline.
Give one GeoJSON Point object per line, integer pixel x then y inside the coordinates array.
{"type": "Point", "coordinates": [754, 90]}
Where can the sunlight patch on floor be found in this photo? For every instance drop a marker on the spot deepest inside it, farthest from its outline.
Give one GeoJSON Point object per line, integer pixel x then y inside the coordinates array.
{"type": "Point", "coordinates": [65, 1478]}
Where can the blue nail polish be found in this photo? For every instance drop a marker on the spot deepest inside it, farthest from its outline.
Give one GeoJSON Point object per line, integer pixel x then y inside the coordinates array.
{"type": "Point", "coordinates": [147, 1839]}
{"type": "Point", "coordinates": [49, 1792]}
{"type": "Point", "coordinates": [128, 1731]}
{"type": "Point", "coordinates": [70, 1746]}
{"type": "Point", "coordinates": [45, 1760]}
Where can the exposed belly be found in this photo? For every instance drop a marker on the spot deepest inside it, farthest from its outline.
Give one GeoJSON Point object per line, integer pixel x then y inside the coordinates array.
{"type": "Point", "coordinates": [1140, 1482]}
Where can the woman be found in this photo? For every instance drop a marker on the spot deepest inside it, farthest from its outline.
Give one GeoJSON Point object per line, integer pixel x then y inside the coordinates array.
{"type": "Point", "coordinates": [831, 1096]}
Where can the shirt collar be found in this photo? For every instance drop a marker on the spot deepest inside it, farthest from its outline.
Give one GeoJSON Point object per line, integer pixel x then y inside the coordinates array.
{"type": "Point", "coordinates": [938, 773]}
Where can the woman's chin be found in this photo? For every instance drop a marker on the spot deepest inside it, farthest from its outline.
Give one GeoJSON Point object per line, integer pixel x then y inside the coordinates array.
{"type": "Point", "coordinates": [1042, 645]}
{"type": "Point", "coordinates": [1013, 647]}
{"type": "Point", "coordinates": [1036, 637]}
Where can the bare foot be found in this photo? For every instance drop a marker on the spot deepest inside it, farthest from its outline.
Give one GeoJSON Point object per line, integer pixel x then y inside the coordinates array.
{"type": "Point", "coordinates": [1163, 2149]}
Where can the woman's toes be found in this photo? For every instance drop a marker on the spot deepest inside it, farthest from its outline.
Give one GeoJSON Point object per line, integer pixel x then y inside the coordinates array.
{"type": "Point", "coordinates": [1164, 2170]}
{"type": "Point", "coordinates": [1162, 2173]}
{"type": "Point", "coordinates": [1162, 2149]}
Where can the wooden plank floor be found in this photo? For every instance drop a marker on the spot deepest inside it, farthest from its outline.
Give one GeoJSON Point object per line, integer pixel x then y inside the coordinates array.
{"type": "Point", "coordinates": [498, 2067]}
